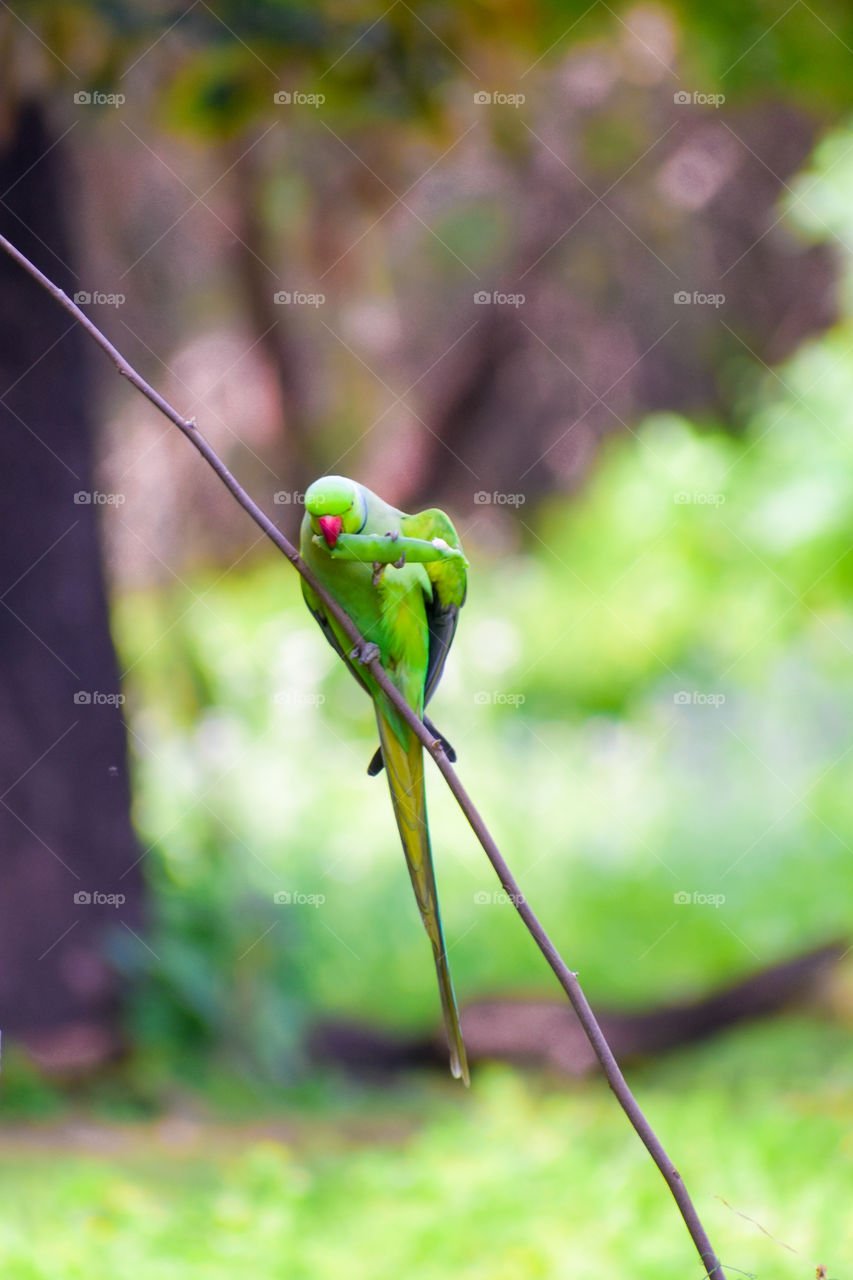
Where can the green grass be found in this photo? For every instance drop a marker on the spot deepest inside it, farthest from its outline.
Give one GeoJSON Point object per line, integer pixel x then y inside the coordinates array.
{"type": "Point", "coordinates": [518, 1178]}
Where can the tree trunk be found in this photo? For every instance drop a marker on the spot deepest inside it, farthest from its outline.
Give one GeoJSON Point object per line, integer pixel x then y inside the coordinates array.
{"type": "Point", "coordinates": [65, 834]}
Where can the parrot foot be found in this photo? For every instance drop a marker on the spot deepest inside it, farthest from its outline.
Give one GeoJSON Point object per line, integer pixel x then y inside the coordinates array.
{"type": "Point", "coordinates": [365, 653]}
{"type": "Point", "coordinates": [396, 564]}
{"type": "Point", "coordinates": [377, 573]}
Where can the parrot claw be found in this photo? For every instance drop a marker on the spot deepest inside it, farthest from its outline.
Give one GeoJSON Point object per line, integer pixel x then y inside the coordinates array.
{"type": "Point", "coordinates": [365, 653]}
{"type": "Point", "coordinates": [398, 564]}
{"type": "Point", "coordinates": [377, 573]}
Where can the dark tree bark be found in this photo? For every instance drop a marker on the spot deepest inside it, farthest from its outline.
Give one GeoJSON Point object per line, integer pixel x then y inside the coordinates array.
{"type": "Point", "coordinates": [65, 832]}
{"type": "Point", "coordinates": [547, 1034]}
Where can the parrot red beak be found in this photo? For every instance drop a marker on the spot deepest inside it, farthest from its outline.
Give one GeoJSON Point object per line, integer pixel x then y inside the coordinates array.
{"type": "Point", "coordinates": [330, 527]}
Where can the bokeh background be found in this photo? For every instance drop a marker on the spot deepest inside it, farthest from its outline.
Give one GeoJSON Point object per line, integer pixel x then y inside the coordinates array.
{"type": "Point", "coordinates": [581, 275]}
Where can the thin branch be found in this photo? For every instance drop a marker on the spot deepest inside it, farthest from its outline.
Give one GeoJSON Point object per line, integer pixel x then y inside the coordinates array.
{"type": "Point", "coordinates": [566, 977]}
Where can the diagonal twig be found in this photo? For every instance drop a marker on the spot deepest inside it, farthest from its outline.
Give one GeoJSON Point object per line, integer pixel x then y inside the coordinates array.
{"type": "Point", "coordinates": [567, 979]}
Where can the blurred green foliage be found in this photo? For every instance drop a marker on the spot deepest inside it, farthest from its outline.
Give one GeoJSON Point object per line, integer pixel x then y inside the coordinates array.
{"type": "Point", "coordinates": [400, 62]}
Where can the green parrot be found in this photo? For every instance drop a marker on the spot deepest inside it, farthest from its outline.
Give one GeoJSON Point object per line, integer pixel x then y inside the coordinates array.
{"type": "Point", "coordinates": [402, 581]}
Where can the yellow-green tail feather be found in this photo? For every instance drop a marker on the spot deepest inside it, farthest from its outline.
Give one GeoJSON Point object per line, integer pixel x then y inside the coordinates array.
{"type": "Point", "coordinates": [405, 770]}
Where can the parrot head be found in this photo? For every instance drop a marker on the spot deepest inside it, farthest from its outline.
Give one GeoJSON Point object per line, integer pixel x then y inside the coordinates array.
{"type": "Point", "coordinates": [335, 505]}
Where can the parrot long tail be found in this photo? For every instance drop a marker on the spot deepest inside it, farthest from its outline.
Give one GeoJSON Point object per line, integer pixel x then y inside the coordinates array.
{"type": "Point", "coordinates": [405, 769]}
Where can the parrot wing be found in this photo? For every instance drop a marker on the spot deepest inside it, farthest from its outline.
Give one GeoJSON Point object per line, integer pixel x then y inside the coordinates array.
{"type": "Point", "coordinates": [449, 580]}
{"type": "Point", "coordinates": [320, 616]}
